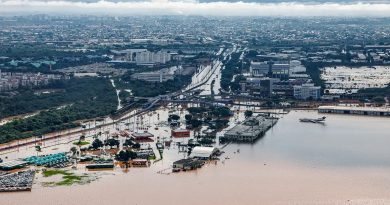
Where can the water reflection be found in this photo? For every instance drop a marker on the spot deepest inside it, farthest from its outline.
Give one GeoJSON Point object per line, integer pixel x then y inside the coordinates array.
{"type": "Point", "coordinates": [340, 141]}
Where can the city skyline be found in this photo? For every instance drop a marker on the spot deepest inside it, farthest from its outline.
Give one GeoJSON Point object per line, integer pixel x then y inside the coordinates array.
{"type": "Point", "coordinates": [297, 8]}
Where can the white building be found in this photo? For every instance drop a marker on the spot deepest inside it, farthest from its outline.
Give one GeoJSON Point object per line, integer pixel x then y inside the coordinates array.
{"type": "Point", "coordinates": [142, 56]}
{"type": "Point", "coordinates": [278, 69]}
{"type": "Point", "coordinates": [297, 67]}
{"type": "Point", "coordinates": [259, 69]}
{"type": "Point", "coordinates": [162, 75]}
{"type": "Point", "coordinates": [204, 152]}
{"type": "Point", "coordinates": [148, 57]}
{"type": "Point", "coordinates": [307, 91]}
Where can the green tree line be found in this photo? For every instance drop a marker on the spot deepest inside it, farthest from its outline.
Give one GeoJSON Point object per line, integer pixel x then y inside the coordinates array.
{"type": "Point", "coordinates": [88, 98]}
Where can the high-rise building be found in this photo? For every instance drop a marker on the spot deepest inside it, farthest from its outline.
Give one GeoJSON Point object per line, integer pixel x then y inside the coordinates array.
{"type": "Point", "coordinates": [142, 56]}
{"type": "Point", "coordinates": [259, 69]}
{"type": "Point", "coordinates": [280, 69]}
{"type": "Point", "coordinates": [277, 69]}
{"type": "Point", "coordinates": [307, 91]}
{"type": "Point", "coordinates": [260, 86]}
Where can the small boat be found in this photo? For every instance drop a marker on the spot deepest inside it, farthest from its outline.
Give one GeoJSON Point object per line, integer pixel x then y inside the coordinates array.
{"type": "Point", "coordinates": [317, 120]}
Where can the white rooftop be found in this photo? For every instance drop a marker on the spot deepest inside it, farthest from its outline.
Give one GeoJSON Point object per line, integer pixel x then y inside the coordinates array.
{"type": "Point", "coordinates": [203, 152]}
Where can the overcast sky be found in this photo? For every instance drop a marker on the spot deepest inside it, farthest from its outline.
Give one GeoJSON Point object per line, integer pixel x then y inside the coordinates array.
{"type": "Point", "coordinates": [202, 7]}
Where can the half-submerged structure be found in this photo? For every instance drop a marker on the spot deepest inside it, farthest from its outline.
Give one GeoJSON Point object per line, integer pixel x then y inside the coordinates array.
{"type": "Point", "coordinates": [251, 129]}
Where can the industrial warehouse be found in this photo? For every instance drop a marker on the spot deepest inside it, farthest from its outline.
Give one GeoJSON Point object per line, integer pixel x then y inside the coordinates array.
{"type": "Point", "coordinates": [251, 129]}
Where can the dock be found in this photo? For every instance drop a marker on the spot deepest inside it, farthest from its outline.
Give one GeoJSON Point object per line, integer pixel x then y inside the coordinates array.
{"type": "Point", "coordinates": [355, 110]}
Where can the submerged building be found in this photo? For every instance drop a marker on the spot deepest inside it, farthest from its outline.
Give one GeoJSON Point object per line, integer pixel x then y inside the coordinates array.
{"type": "Point", "coordinates": [251, 129]}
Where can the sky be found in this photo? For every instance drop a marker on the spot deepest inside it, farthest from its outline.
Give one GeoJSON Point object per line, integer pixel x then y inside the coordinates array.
{"type": "Point", "coordinates": [352, 8]}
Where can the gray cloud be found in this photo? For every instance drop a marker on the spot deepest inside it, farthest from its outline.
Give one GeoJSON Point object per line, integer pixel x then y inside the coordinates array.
{"type": "Point", "coordinates": [190, 7]}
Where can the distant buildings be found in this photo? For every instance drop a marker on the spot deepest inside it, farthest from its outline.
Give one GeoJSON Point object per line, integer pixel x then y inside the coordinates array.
{"type": "Point", "coordinates": [158, 76]}
{"type": "Point", "coordinates": [297, 67]}
{"type": "Point", "coordinates": [307, 91]}
{"type": "Point", "coordinates": [94, 69]}
{"type": "Point", "coordinates": [261, 86]}
{"type": "Point", "coordinates": [259, 69]}
{"type": "Point", "coordinates": [142, 56]}
{"type": "Point", "coordinates": [280, 69]}
{"type": "Point", "coordinates": [277, 69]}
{"type": "Point", "coordinates": [148, 57]}
{"type": "Point", "coordinates": [13, 80]}
{"type": "Point", "coordinates": [275, 77]}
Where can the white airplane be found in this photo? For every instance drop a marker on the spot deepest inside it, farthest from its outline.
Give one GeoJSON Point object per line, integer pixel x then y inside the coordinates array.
{"type": "Point", "coordinates": [318, 120]}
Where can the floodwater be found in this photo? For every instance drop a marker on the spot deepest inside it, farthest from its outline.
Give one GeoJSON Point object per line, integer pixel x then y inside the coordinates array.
{"type": "Point", "coordinates": [344, 161]}
{"type": "Point", "coordinates": [341, 79]}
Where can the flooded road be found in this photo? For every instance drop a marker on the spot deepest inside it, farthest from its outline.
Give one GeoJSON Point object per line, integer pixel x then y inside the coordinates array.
{"type": "Point", "coordinates": [344, 161]}
{"type": "Point", "coordinates": [117, 94]}
{"type": "Point", "coordinates": [342, 79]}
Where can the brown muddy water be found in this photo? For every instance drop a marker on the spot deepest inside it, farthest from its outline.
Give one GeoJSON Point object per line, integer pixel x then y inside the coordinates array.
{"type": "Point", "coordinates": [344, 161]}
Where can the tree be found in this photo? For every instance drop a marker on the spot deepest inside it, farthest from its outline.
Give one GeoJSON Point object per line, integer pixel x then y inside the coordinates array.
{"type": "Point", "coordinates": [136, 146]}
{"type": "Point", "coordinates": [123, 156]}
{"type": "Point", "coordinates": [126, 155]}
{"type": "Point", "coordinates": [174, 117]}
{"type": "Point", "coordinates": [222, 112]}
{"type": "Point", "coordinates": [82, 138]}
{"type": "Point", "coordinates": [196, 110]}
{"type": "Point", "coordinates": [128, 142]}
{"type": "Point", "coordinates": [188, 117]}
{"type": "Point", "coordinates": [97, 144]}
{"type": "Point", "coordinates": [379, 100]}
{"type": "Point", "coordinates": [248, 113]}
{"type": "Point", "coordinates": [132, 155]}
{"type": "Point", "coordinates": [73, 150]}
{"type": "Point", "coordinates": [90, 98]}
{"type": "Point", "coordinates": [195, 123]}
{"type": "Point", "coordinates": [112, 142]}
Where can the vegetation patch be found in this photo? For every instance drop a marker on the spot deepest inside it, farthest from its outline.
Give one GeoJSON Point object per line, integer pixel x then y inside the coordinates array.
{"type": "Point", "coordinates": [52, 172]}
{"type": "Point", "coordinates": [68, 178]}
{"type": "Point", "coordinates": [232, 67]}
{"type": "Point", "coordinates": [90, 97]}
{"type": "Point", "coordinates": [141, 88]}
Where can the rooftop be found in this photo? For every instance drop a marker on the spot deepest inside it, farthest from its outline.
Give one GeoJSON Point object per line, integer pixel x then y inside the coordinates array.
{"type": "Point", "coordinates": [251, 127]}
